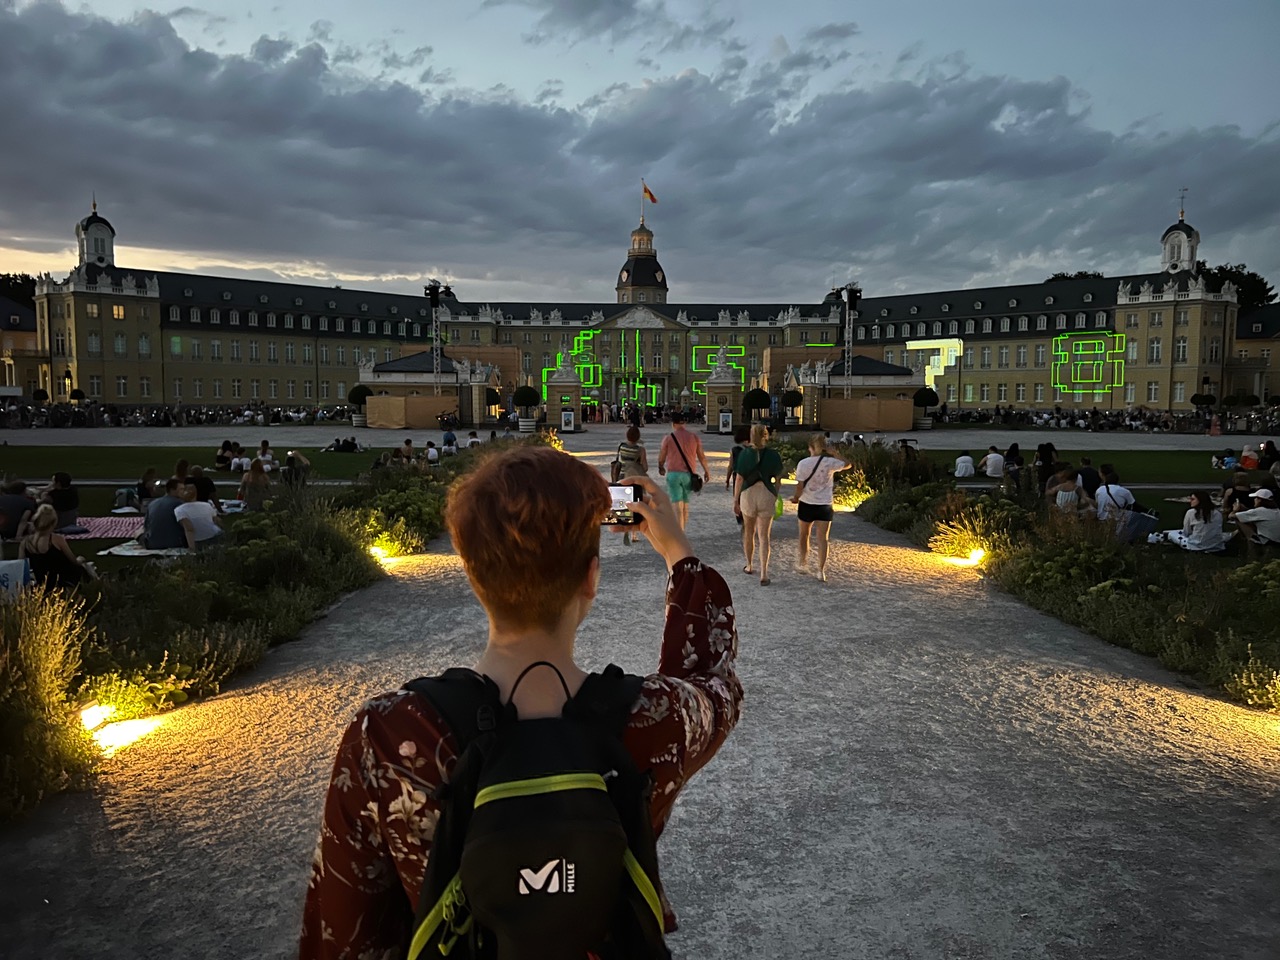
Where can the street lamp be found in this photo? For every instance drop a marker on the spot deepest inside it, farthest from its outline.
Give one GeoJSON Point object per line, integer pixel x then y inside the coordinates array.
{"type": "Point", "coordinates": [851, 294]}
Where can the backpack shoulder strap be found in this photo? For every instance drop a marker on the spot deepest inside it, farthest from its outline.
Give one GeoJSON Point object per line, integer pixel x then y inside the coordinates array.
{"type": "Point", "coordinates": [606, 698]}
{"type": "Point", "coordinates": [468, 702]}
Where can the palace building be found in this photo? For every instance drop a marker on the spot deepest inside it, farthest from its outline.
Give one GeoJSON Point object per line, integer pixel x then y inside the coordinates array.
{"type": "Point", "coordinates": [128, 337]}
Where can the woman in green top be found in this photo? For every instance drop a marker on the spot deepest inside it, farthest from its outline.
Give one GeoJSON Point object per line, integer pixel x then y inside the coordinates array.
{"type": "Point", "coordinates": [755, 492]}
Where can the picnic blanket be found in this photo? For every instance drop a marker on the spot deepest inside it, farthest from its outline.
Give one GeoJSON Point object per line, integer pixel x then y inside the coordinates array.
{"type": "Point", "coordinates": [108, 528]}
{"type": "Point", "coordinates": [134, 549]}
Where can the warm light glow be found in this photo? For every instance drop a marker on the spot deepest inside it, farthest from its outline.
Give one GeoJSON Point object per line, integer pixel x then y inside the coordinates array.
{"type": "Point", "coordinates": [378, 553]}
{"type": "Point", "coordinates": [95, 715]}
{"type": "Point", "coordinates": [117, 736]}
{"type": "Point", "coordinates": [976, 556]}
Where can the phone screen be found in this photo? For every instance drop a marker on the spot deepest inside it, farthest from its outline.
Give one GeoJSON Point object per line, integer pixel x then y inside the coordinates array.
{"type": "Point", "coordinates": [621, 498]}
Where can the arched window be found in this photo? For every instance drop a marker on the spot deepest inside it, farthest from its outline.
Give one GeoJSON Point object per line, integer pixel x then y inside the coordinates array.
{"type": "Point", "coordinates": [986, 324]}
{"type": "Point", "coordinates": [953, 327]}
{"type": "Point", "coordinates": [920, 329]}
{"type": "Point", "coordinates": [968, 326]}
{"type": "Point", "coordinates": [1004, 324]}
{"type": "Point", "coordinates": [937, 328]}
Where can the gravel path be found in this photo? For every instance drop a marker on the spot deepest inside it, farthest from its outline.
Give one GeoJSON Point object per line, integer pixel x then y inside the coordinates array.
{"type": "Point", "coordinates": [925, 769]}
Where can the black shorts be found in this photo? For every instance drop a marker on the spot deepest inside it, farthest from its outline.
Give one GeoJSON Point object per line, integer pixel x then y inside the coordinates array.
{"type": "Point", "coordinates": [814, 512]}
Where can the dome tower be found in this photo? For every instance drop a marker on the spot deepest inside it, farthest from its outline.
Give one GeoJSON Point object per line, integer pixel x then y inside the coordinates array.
{"type": "Point", "coordinates": [641, 279]}
{"type": "Point", "coordinates": [96, 240]}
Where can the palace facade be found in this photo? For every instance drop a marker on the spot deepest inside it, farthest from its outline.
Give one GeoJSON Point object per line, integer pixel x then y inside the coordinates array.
{"type": "Point", "coordinates": [127, 337]}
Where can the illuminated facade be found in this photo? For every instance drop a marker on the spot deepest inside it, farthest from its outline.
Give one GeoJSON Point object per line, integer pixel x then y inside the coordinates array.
{"type": "Point", "coordinates": [137, 337]}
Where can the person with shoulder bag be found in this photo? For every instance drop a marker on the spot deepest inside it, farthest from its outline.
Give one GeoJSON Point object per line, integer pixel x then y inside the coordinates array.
{"type": "Point", "coordinates": [815, 494]}
{"type": "Point", "coordinates": [676, 464]}
{"type": "Point", "coordinates": [758, 472]}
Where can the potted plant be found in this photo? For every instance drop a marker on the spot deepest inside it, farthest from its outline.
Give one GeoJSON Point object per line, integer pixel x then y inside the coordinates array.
{"type": "Point", "coordinates": [357, 397]}
{"type": "Point", "coordinates": [77, 395]}
{"type": "Point", "coordinates": [755, 401]}
{"type": "Point", "coordinates": [792, 401]}
{"type": "Point", "coordinates": [527, 398]}
{"type": "Point", "coordinates": [924, 398]}
{"type": "Point", "coordinates": [40, 395]}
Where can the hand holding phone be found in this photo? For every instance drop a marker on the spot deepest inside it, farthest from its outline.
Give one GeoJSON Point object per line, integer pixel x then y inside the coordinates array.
{"type": "Point", "coordinates": [659, 523]}
{"type": "Point", "coordinates": [622, 496]}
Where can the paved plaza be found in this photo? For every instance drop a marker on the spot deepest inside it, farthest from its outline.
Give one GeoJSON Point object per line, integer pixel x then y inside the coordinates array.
{"type": "Point", "coordinates": [925, 768]}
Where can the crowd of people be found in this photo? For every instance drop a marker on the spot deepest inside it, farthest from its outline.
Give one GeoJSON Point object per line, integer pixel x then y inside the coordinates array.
{"type": "Point", "coordinates": [1134, 419]}
{"type": "Point", "coordinates": [24, 414]}
{"type": "Point", "coordinates": [1083, 491]}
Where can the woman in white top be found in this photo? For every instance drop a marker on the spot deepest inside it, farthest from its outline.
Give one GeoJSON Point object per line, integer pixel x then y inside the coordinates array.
{"type": "Point", "coordinates": [1112, 499]}
{"type": "Point", "coordinates": [814, 492]}
{"type": "Point", "coordinates": [1201, 527]}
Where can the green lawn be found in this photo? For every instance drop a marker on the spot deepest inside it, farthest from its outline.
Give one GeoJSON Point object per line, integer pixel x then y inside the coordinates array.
{"type": "Point", "coordinates": [119, 463]}
{"type": "Point", "coordinates": [1190, 467]}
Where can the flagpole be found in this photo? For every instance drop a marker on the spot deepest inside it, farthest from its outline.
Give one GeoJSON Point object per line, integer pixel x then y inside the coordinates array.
{"type": "Point", "coordinates": [642, 199]}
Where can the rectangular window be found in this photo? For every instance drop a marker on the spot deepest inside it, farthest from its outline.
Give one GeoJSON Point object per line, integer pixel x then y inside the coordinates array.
{"type": "Point", "coordinates": [272, 352]}
{"type": "Point", "coordinates": [234, 318]}
{"type": "Point", "coordinates": [195, 349]}
{"type": "Point", "coordinates": [1153, 350]}
{"type": "Point", "coordinates": [324, 353]}
{"type": "Point", "coordinates": [1153, 391]}
{"type": "Point", "coordinates": [986, 392]}
{"type": "Point", "coordinates": [1038, 392]}
{"type": "Point", "coordinates": [255, 389]}
{"type": "Point", "coordinates": [144, 387]}
{"type": "Point", "coordinates": [1179, 392]}
{"type": "Point", "coordinates": [271, 319]}
{"type": "Point", "coordinates": [968, 393]}
{"type": "Point", "coordinates": [341, 353]}
{"type": "Point", "coordinates": [986, 360]}
{"type": "Point", "coordinates": [195, 314]}
{"type": "Point", "coordinates": [324, 324]}
{"type": "Point", "coordinates": [968, 358]}
{"type": "Point", "coordinates": [1041, 323]}
{"type": "Point", "coordinates": [1157, 319]}
{"type": "Point", "coordinates": [288, 352]}
{"type": "Point", "coordinates": [657, 361]}
{"type": "Point", "coordinates": [889, 356]}
{"type": "Point", "coordinates": [951, 393]}
{"type": "Point", "coordinates": [1130, 393]}
{"type": "Point", "coordinates": [1020, 393]}
{"type": "Point", "coordinates": [215, 315]}
{"type": "Point", "coordinates": [217, 389]}
{"type": "Point", "coordinates": [290, 389]}
{"type": "Point", "coordinates": [215, 349]}
{"type": "Point", "coordinates": [253, 318]}
{"type": "Point", "coordinates": [1022, 356]}
{"type": "Point", "coordinates": [324, 389]}
{"type": "Point", "coordinates": [1004, 357]}
{"type": "Point", "coordinates": [1002, 392]}
{"type": "Point", "coordinates": [237, 386]}
{"type": "Point", "coordinates": [253, 350]}
{"type": "Point", "coordinates": [235, 349]}
{"type": "Point", "coordinates": [288, 321]}
{"type": "Point", "coordinates": [197, 389]}
{"type": "Point", "coordinates": [1132, 350]}
{"type": "Point", "coordinates": [306, 321]}
{"type": "Point", "coordinates": [91, 311]}
{"type": "Point", "coordinates": [1182, 318]}
{"type": "Point", "coordinates": [306, 389]}
{"type": "Point", "coordinates": [340, 325]}
{"type": "Point", "coordinates": [95, 385]}
{"type": "Point", "coordinates": [341, 390]}
{"type": "Point", "coordinates": [177, 388]}
{"type": "Point", "coordinates": [273, 389]}
{"type": "Point", "coordinates": [387, 354]}
{"type": "Point", "coordinates": [175, 346]}
{"type": "Point", "coordinates": [475, 335]}
{"type": "Point", "coordinates": [117, 311]}
{"type": "Point", "coordinates": [122, 387]}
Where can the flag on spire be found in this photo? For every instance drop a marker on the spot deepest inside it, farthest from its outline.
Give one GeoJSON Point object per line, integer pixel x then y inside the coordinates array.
{"type": "Point", "coordinates": [648, 194]}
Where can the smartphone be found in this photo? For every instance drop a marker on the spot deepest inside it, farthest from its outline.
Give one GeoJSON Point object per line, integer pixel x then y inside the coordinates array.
{"type": "Point", "coordinates": [621, 498]}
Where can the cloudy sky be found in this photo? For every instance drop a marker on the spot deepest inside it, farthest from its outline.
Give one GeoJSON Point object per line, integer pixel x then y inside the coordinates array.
{"type": "Point", "coordinates": [500, 144]}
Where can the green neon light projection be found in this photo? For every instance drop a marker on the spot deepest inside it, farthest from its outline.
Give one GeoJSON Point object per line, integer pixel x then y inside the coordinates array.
{"type": "Point", "coordinates": [704, 361]}
{"type": "Point", "coordinates": [585, 363]}
{"type": "Point", "coordinates": [1088, 363]}
{"type": "Point", "coordinates": [819, 344]}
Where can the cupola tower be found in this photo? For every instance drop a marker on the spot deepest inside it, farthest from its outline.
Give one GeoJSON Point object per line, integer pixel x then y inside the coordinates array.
{"type": "Point", "coordinates": [641, 279]}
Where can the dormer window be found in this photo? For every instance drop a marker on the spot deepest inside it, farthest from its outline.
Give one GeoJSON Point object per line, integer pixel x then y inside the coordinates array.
{"type": "Point", "coordinates": [394, 310]}
{"type": "Point", "coordinates": [364, 308]}
{"type": "Point", "coordinates": [226, 294]}
{"type": "Point", "coordinates": [297, 301]}
{"type": "Point", "coordinates": [977, 304]}
{"type": "Point", "coordinates": [422, 311]}
{"type": "Point", "coordinates": [914, 311]}
{"type": "Point", "coordinates": [262, 298]}
{"type": "Point", "coordinates": [1048, 301]}
{"type": "Point", "coordinates": [884, 312]}
{"type": "Point", "coordinates": [1088, 298]}
{"type": "Point", "coordinates": [186, 292]}
{"type": "Point", "coordinates": [1013, 303]}
{"type": "Point", "coordinates": [946, 308]}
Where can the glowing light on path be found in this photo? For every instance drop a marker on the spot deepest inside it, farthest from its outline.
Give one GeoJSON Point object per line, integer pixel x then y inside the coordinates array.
{"type": "Point", "coordinates": [117, 736]}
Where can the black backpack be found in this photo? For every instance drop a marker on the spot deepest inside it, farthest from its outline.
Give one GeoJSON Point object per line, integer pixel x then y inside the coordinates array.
{"type": "Point", "coordinates": [544, 847]}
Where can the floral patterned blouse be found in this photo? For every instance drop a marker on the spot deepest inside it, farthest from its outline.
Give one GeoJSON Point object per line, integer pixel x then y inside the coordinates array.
{"type": "Point", "coordinates": [379, 816]}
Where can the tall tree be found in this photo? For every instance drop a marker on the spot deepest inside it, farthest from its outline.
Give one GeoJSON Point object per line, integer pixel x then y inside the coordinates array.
{"type": "Point", "coordinates": [19, 287]}
{"type": "Point", "coordinates": [1078, 275]}
{"type": "Point", "coordinates": [1252, 289]}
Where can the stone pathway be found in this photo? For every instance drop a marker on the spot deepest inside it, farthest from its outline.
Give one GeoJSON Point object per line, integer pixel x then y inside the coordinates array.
{"type": "Point", "coordinates": [925, 769]}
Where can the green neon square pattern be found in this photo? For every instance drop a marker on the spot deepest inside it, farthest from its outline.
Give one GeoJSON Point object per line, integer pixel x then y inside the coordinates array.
{"type": "Point", "coordinates": [1088, 363]}
{"type": "Point", "coordinates": [704, 361]}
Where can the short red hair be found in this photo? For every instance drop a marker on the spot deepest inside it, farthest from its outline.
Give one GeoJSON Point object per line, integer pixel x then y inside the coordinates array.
{"type": "Point", "coordinates": [526, 523]}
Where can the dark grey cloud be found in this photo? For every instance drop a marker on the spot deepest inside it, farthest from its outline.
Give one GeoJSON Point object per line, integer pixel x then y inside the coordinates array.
{"type": "Point", "coordinates": [832, 33]}
{"type": "Point", "coordinates": [293, 159]}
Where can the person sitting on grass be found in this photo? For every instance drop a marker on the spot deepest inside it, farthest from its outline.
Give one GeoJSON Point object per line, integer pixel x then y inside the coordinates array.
{"type": "Point", "coordinates": [1236, 492]}
{"type": "Point", "coordinates": [1249, 459]}
{"type": "Point", "coordinates": [1269, 457]}
{"type": "Point", "coordinates": [255, 486]}
{"type": "Point", "coordinates": [205, 489]}
{"type": "Point", "coordinates": [65, 499]}
{"type": "Point", "coordinates": [433, 453]}
{"type": "Point", "coordinates": [160, 529]}
{"type": "Point", "coordinates": [406, 449]}
{"type": "Point", "coordinates": [1261, 524]}
{"type": "Point", "coordinates": [1113, 501]}
{"type": "Point", "coordinates": [964, 465]}
{"type": "Point", "coordinates": [222, 459]}
{"type": "Point", "coordinates": [149, 487]}
{"type": "Point", "coordinates": [1201, 526]}
{"type": "Point", "coordinates": [296, 469]}
{"type": "Point", "coordinates": [240, 458]}
{"type": "Point", "coordinates": [267, 456]}
{"type": "Point", "coordinates": [16, 511]}
{"type": "Point", "coordinates": [527, 529]}
{"type": "Point", "coordinates": [1068, 495]}
{"type": "Point", "coordinates": [199, 521]}
{"type": "Point", "coordinates": [53, 564]}
{"type": "Point", "coordinates": [993, 463]}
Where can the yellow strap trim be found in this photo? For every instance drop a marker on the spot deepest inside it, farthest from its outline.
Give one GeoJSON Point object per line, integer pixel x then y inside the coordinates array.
{"type": "Point", "coordinates": [643, 883]}
{"type": "Point", "coordinates": [552, 784]}
{"type": "Point", "coordinates": [428, 926]}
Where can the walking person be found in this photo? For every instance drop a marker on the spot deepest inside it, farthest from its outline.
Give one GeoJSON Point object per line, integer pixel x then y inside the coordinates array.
{"type": "Point", "coordinates": [755, 496]}
{"type": "Point", "coordinates": [815, 489]}
{"type": "Point", "coordinates": [675, 461]}
{"type": "Point", "coordinates": [632, 461]}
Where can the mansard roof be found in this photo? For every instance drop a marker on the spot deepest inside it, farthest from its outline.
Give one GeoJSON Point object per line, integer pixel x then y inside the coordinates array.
{"type": "Point", "coordinates": [1266, 319]}
{"type": "Point", "coordinates": [861, 366]}
{"type": "Point", "coordinates": [423, 362]}
{"type": "Point", "coordinates": [10, 309]}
